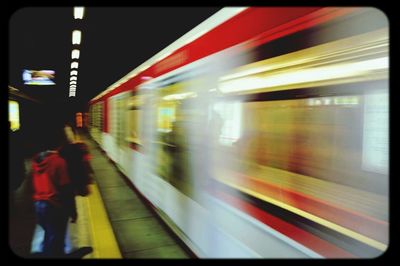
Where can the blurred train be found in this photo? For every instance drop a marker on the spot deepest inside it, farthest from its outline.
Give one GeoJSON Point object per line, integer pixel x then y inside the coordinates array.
{"type": "Point", "coordinates": [261, 133]}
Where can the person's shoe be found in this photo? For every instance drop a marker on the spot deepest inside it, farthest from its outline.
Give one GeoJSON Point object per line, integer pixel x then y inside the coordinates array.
{"type": "Point", "coordinates": [36, 255]}
{"type": "Point", "coordinates": [80, 252]}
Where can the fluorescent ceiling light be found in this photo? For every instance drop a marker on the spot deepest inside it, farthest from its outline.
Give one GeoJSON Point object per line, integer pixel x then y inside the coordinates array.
{"type": "Point", "coordinates": [73, 78]}
{"type": "Point", "coordinates": [74, 65]}
{"type": "Point", "coordinates": [72, 82]}
{"type": "Point", "coordinates": [78, 12]}
{"type": "Point", "coordinates": [75, 54]}
{"type": "Point", "coordinates": [76, 37]}
{"type": "Point", "coordinates": [74, 73]}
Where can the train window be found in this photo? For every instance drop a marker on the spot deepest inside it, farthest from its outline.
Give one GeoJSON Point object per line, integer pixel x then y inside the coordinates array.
{"type": "Point", "coordinates": [133, 126]}
{"type": "Point", "coordinates": [118, 118]}
{"type": "Point", "coordinates": [133, 119]}
{"type": "Point", "coordinates": [99, 116]}
{"type": "Point", "coordinates": [97, 120]}
{"type": "Point", "coordinates": [85, 119]}
{"type": "Point", "coordinates": [90, 117]}
{"type": "Point", "coordinates": [338, 100]}
{"type": "Point", "coordinates": [170, 102]}
{"type": "Point", "coordinates": [13, 115]}
{"type": "Point", "coordinates": [166, 117]}
{"type": "Point", "coordinates": [225, 120]}
{"type": "Point", "coordinates": [375, 153]}
{"type": "Point", "coordinates": [120, 121]}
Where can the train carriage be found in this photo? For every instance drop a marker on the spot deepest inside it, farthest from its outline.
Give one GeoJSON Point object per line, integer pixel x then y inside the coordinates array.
{"type": "Point", "coordinates": [263, 132]}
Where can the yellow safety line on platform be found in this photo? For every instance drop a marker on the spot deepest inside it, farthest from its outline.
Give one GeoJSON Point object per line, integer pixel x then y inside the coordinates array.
{"type": "Point", "coordinates": [333, 226]}
{"type": "Point", "coordinates": [104, 243]}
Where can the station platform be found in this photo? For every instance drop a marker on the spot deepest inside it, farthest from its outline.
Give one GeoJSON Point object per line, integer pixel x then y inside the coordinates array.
{"type": "Point", "coordinates": [114, 221]}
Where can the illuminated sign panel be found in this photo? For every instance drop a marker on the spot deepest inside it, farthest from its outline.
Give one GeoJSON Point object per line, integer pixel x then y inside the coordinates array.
{"type": "Point", "coordinates": [38, 77]}
{"type": "Point", "coordinates": [13, 115]}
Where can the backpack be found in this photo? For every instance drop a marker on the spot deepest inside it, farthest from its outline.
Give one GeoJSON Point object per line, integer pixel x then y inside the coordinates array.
{"type": "Point", "coordinates": [79, 169]}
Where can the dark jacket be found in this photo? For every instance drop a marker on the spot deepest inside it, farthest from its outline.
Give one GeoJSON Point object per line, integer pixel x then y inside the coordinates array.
{"type": "Point", "coordinates": [78, 163]}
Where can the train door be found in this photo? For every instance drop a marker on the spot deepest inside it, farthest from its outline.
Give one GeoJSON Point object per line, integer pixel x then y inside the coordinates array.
{"type": "Point", "coordinates": [97, 122]}
{"type": "Point", "coordinates": [118, 143]}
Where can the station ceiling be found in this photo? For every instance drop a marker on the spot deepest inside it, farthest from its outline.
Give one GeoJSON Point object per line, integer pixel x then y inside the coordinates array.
{"type": "Point", "coordinates": [115, 40]}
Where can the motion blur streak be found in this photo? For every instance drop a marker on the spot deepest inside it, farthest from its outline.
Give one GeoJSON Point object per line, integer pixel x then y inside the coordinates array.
{"type": "Point", "coordinates": [262, 135]}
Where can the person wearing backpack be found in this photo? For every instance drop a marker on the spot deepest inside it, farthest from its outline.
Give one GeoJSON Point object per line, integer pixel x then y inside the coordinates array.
{"type": "Point", "coordinates": [53, 193]}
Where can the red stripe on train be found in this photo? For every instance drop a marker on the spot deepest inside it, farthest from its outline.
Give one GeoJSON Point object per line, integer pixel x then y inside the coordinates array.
{"type": "Point", "coordinates": [281, 21]}
{"type": "Point", "coordinates": [355, 221]}
{"type": "Point", "coordinates": [247, 24]}
{"type": "Point", "coordinates": [315, 18]}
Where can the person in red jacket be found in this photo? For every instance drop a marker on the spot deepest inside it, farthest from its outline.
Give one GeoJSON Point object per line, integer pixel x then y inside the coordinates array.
{"type": "Point", "coordinates": [53, 195]}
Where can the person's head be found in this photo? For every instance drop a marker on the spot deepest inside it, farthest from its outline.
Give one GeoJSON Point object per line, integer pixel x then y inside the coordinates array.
{"type": "Point", "coordinates": [48, 135]}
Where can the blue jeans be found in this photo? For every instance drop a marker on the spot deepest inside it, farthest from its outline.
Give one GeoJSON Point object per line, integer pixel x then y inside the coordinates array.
{"type": "Point", "coordinates": [54, 221]}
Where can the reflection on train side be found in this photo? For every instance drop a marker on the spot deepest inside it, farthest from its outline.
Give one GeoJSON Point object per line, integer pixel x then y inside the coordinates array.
{"type": "Point", "coordinates": [306, 131]}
